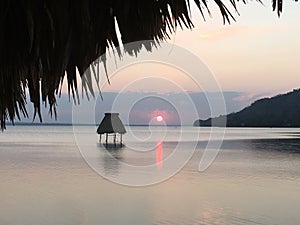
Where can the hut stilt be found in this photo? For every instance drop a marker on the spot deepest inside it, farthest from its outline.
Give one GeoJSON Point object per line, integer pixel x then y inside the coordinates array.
{"type": "Point", "coordinates": [115, 138]}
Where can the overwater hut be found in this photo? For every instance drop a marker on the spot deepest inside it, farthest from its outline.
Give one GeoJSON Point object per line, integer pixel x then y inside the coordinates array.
{"type": "Point", "coordinates": [111, 125]}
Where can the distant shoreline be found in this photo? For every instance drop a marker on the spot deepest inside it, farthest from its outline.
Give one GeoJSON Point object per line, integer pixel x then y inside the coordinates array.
{"type": "Point", "coordinates": [70, 124]}
{"type": "Point", "coordinates": [133, 125]}
{"type": "Point", "coordinates": [280, 111]}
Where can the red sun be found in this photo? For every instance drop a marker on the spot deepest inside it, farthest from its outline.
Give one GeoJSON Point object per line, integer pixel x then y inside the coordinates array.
{"type": "Point", "coordinates": [159, 118]}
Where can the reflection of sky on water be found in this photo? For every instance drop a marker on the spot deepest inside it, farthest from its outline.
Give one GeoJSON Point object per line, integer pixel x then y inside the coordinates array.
{"type": "Point", "coordinates": [281, 145]}
{"type": "Point", "coordinates": [44, 180]}
{"type": "Point", "coordinates": [111, 162]}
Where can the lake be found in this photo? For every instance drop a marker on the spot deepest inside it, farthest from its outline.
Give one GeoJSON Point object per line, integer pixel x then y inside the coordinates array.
{"type": "Point", "coordinates": [62, 175]}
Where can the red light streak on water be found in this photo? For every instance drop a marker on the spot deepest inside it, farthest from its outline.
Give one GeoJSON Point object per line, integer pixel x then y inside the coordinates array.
{"type": "Point", "coordinates": [159, 154]}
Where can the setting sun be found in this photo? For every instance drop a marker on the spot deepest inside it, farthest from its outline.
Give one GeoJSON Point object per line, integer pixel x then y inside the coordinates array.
{"type": "Point", "coordinates": [159, 118]}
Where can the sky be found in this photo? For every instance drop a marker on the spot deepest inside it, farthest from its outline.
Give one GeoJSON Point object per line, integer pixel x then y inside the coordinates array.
{"type": "Point", "coordinates": [257, 54]}
{"type": "Point", "coordinates": [253, 57]}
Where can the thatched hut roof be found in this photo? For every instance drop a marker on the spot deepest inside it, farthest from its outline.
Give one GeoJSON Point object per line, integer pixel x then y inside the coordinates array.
{"type": "Point", "coordinates": [41, 41]}
{"type": "Point", "coordinates": [111, 123]}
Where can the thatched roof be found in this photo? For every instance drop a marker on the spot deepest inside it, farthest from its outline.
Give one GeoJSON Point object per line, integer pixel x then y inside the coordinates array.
{"type": "Point", "coordinates": [111, 123]}
{"type": "Point", "coordinates": [41, 41]}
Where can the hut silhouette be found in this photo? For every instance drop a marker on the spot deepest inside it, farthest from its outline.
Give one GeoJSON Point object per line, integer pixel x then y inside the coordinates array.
{"type": "Point", "coordinates": [111, 125]}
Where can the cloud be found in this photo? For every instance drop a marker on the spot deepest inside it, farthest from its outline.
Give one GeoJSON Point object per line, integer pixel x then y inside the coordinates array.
{"type": "Point", "coordinates": [221, 33]}
{"type": "Point", "coordinates": [173, 106]}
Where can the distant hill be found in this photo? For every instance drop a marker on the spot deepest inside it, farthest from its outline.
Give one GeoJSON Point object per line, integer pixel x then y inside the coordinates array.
{"type": "Point", "coordinates": [279, 111]}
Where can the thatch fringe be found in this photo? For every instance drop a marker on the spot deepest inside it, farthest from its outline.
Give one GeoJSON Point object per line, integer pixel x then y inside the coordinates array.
{"type": "Point", "coordinates": [111, 123]}
{"type": "Point", "coordinates": [41, 41]}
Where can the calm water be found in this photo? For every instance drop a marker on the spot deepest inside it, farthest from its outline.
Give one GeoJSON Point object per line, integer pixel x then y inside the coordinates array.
{"type": "Point", "coordinates": [255, 178]}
